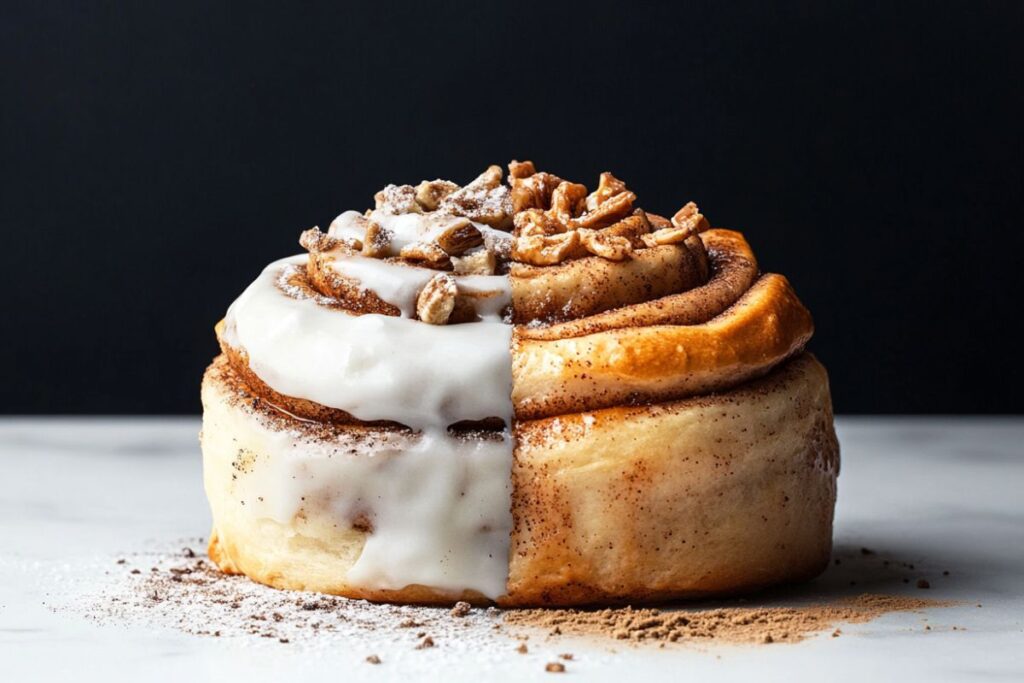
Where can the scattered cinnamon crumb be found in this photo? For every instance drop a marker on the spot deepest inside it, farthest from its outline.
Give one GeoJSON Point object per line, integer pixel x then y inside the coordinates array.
{"type": "Point", "coordinates": [461, 609]}
{"type": "Point", "coordinates": [373, 659]}
{"type": "Point", "coordinates": [735, 624]}
{"type": "Point", "coordinates": [837, 633]}
{"type": "Point", "coordinates": [555, 667]}
{"type": "Point", "coordinates": [522, 649]}
{"type": "Point", "coordinates": [567, 656]}
{"type": "Point", "coordinates": [425, 643]}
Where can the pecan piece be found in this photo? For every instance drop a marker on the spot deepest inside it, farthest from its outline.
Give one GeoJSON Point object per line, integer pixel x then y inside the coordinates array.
{"type": "Point", "coordinates": [485, 200]}
{"type": "Point", "coordinates": [607, 187]}
{"type": "Point", "coordinates": [567, 201]}
{"type": "Point", "coordinates": [377, 241]}
{"type": "Point", "coordinates": [436, 301]}
{"type": "Point", "coordinates": [691, 219]}
{"type": "Point", "coordinates": [430, 193]}
{"type": "Point", "coordinates": [397, 199]}
{"type": "Point", "coordinates": [541, 250]}
{"type": "Point", "coordinates": [533, 192]}
{"type": "Point", "coordinates": [314, 241]}
{"type": "Point", "coordinates": [611, 247]}
{"type": "Point", "coordinates": [521, 169]}
{"type": "Point", "coordinates": [427, 254]}
{"type": "Point", "coordinates": [536, 222]}
{"type": "Point", "coordinates": [611, 211]}
{"type": "Point", "coordinates": [459, 237]}
{"type": "Point", "coordinates": [687, 222]}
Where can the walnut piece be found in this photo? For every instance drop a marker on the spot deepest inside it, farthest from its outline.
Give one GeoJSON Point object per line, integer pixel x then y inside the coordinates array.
{"type": "Point", "coordinates": [436, 301]}
{"type": "Point", "coordinates": [521, 169]}
{"type": "Point", "coordinates": [687, 222]}
{"type": "Point", "coordinates": [541, 250]}
{"type": "Point", "coordinates": [429, 193]}
{"type": "Point", "coordinates": [608, 186]}
{"type": "Point", "coordinates": [533, 192]}
{"type": "Point", "coordinates": [397, 199]}
{"type": "Point", "coordinates": [485, 200]}
{"type": "Point", "coordinates": [611, 247]}
{"type": "Point", "coordinates": [566, 201]}
{"type": "Point", "coordinates": [459, 237]}
{"type": "Point", "coordinates": [377, 241]}
{"type": "Point", "coordinates": [479, 262]}
{"type": "Point", "coordinates": [536, 222]}
{"type": "Point", "coordinates": [610, 211]}
{"type": "Point", "coordinates": [690, 218]}
{"type": "Point", "coordinates": [314, 241]}
{"type": "Point", "coordinates": [427, 254]}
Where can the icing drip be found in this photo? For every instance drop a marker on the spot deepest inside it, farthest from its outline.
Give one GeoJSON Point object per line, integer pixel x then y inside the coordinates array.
{"type": "Point", "coordinates": [439, 504]}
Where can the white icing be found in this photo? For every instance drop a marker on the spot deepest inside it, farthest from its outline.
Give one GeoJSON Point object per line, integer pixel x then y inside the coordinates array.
{"type": "Point", "coordinates": [406, 228]}
{"type": "Point", "coordinates": [440, 505]}
{"type": "Point", "coordinates": [375, 367]}
{"type": "Point", "coordinates": [399, 285]}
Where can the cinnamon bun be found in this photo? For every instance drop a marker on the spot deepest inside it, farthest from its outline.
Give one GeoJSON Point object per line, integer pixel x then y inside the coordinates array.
{"type": "Point", "coordinates": [520, 392]}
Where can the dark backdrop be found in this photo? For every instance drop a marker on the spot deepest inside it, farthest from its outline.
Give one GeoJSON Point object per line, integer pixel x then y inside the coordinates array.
{"type": "Point", "coordinates": [156, 156]}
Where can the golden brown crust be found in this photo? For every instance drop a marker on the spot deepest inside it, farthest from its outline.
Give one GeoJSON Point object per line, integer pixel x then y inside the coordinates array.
{"type": "Point", "coordinates": [709, 495]}
{"type": "Point", "coordinates": [660, 362]}
{"type": "Point", "coordinates": [705, 496]}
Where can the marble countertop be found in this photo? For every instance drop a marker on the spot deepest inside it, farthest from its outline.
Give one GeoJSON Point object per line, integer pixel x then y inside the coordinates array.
{"type": "Point", "coordinates": [943, 494]}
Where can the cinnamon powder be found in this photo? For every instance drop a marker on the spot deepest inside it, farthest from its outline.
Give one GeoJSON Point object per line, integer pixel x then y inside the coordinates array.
{"type": "Point", "coordinates": [733, 625]}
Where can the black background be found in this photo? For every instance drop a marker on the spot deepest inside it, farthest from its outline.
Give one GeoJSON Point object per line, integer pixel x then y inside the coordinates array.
{"type": "Point", "coordinates": [156, 156]}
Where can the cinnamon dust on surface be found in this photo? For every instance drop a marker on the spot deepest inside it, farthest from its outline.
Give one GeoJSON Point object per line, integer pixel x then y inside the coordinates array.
{"type": "Point", "coordinates": [727, 625]}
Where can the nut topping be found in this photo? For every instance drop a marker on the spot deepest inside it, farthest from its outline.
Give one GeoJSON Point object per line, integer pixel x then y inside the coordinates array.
{"type": "Point", "coordinates": [521, 169]}
{"type": "Point", "coordinates": [459, 237]}
{"type": "Point", "coordinates": [540, 250]}
{"type": "Point", "coordinates": [436, 301]}
{"type": "Point", "coordinates": [607, 246]}
{"type": "Point", "coordinates": [536, 222]}
{"type": "Point", "coordinates": [314, 241]}
{"type": "Point", "coordinates": [610, 211]}
{"type": "Point", "coordinates": [566, 201]}
{"type": "Point", "coordinates": [429, 193]}
{"type": "Point", "coordinates": [377, 240]}
{"type": "Point", "coordinates": [397, 199]}
{"type": "Point", "coordinates": [608, 186]}
{"type": "Point", "coordinates": [427, 254]}
{"type": "Point", "coordinates": [687, 222]}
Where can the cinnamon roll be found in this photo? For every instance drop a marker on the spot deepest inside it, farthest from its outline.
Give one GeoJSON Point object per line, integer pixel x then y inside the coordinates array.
{"type": "Point", "coordinates": [521, 392]}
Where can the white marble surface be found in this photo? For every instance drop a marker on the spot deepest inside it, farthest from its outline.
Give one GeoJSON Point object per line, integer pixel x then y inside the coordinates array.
{"type": "Point", "coordinates": [942, 493]}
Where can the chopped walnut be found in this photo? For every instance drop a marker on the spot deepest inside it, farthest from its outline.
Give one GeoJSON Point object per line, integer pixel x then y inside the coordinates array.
{"type": "Point", "coordinates": [315, 241]}
{"type": "Point", "coordinates": [606, 246]}
{"type": "Point", "coordinates": [397, 199]}
{"type": "Point", "coordinates": [429, 193]}
{"type": "Point", "coordinates": [540, 250]}
{"type": "Point", "coordinates": [377, 241]}
{"type": "Point", "coordinates": [521, 169]}
{"type": "Point", "coordinates": [566, 201]}
{"type": "Point", "coordinates": [608, 186]}
{"type": "Point", "coordinates": [691, 219]}
{"type": "Point", "coordinates": [436, 301]}
{"type": "Point", "coordinates": [427, 254]}
{"type": "Point", "coordinates": [536, 222]}
{"type": "Point", "coordinates": [687, 222]}
{"type": "Point", "coordinates": [478, 262]}
{"type": "Point", "coordinates": [459, 237]}
{"type": "Point", "coordinates": [533, 192]}
{"type": "Point", "coordinates": [485, 200]}
{"type": "Point", "coordinates": [610, 211]}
